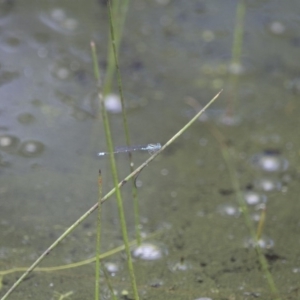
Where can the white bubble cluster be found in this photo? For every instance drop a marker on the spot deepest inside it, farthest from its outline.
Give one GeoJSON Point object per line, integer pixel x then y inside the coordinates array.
{"type": "Point", "coordinates": [147, 251]}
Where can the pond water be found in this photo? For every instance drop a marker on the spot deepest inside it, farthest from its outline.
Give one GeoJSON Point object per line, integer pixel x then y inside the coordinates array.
{"type": "Point", "coordinates": [175, 56]}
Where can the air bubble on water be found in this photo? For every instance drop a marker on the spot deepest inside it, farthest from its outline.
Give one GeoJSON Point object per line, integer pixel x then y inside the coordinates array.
{"type": "Point", "coordinates": [8, 142]}
{"type": "Point", "coordinates": [58, 15]}
{"type": "Point", "coordinates": [113, 103]}
{"type": "Point", "coordinates": [267, 184]}
{"type": "Point", "coordinates": [270, 162]}
{"type": "Point", "coordinates": [253, 198]}
{"type": "Point", "coordinates": [138, 183]}
{"type": "Point", "coordinates": [147, 251]}
{"type": "Point", "coordinates": [31, 148]}
{"type": "Point", "coordinates": [61, 68]}
{"type": "Point", "coordinates": [277, 28]}
{"type": "Point", "coordinates": [296, 270]}
{"type": "Point", "coordinates": [256, 217]}
{"type": "Point", "coordinates": [61, 73]}
{"type": "Point", "coordinates": [58, 20]}
{"type": "Point", "coordinates": [5, 141]}
{"type": "Point", "coordinates": [264, 243]}
{"type": "Point", "coordinates": [228, 210]}
{"type": "Point", "coordinates": [236, 68]}
{"type": "Point", "coordinates": [112, 268]}
{"type": "Point", "coordinates": [164, 172]}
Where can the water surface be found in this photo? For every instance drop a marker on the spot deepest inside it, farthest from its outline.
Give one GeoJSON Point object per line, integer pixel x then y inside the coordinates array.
{"type": "Point", "coordinates": [175, 56]}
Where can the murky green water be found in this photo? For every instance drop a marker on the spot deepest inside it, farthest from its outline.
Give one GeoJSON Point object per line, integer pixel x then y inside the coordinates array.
{"type": "Point", "coordinates": [174, 57]}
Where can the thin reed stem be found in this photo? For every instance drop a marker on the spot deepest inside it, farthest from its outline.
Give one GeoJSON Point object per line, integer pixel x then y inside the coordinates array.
{"type": "Point", "coordinates": [236, 53]}
{"type": "Point", "coordinates": [115, 180]}
{"type": "Point", "coordinates": [78, 263]}
{"type": "Point", "coordinates": [98, 243]}
{"type": "Point", "coordinates": [261, 223]}
{"type": "Point", "coordinates": [125, 126]}
{"type": "Point", "coordinates": [119, 12]}
{"type": "Point", "coordinates": [238, 32]}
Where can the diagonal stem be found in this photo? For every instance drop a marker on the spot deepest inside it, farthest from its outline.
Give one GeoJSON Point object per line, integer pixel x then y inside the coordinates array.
{"type": "Point", "coordinates": [110, 193]}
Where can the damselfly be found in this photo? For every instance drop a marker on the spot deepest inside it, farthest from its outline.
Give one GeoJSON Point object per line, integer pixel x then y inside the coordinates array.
{"type": "Point", "coordinates": [151, 148]}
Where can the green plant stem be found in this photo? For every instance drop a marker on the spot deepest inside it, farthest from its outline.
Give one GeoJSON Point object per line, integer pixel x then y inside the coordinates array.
{"type": "Point", "coordinates": [241, 202]}
{"type": "Point", "coordinates": [119, 12]}
{"type": "Point", "coordinates": [115, 180]}
{"type": "Point", "coordinates": [261, 223]}
{"type": "Point", "coordinates": [107, 196]}
{"type": "Point", "coordinates": [125, 125]}
{"type": "Point", "coordinates": [78, 263]}
{"type": "Point", "coordinates": [236, 53]}
{"type": "Point", "coordinates": [98, 244]}
{"type": "Point", "coordinates": [238, 32]}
